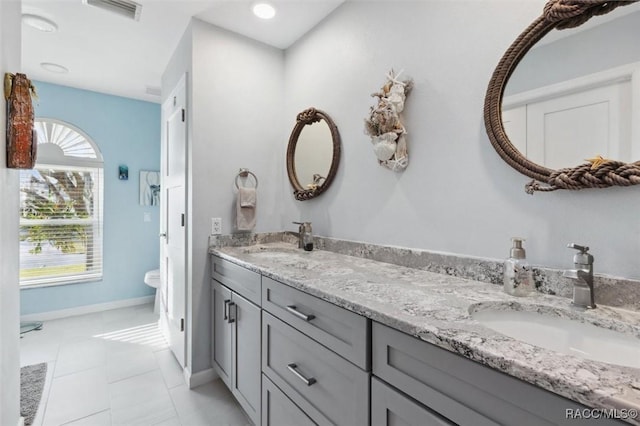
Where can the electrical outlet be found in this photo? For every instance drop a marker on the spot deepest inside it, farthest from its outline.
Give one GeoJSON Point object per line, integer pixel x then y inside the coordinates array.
{"type": "Point", "coordinates": [216, 226]}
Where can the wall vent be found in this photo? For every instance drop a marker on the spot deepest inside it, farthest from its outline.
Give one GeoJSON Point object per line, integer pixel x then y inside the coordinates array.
{"type": "Point", "coordinates": [125, 8]}
{"type": "Point", "coordinates": [153, 90]}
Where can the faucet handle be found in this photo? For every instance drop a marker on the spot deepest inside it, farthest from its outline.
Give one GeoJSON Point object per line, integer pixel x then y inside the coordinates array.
{"type": "Point", "coordinates": [581, 249]}
{"type": "Point", "coordinates": [583, 257]}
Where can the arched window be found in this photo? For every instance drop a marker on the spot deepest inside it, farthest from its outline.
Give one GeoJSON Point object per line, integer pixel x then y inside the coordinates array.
{"type": "Point", "coordinates": [61, 208]}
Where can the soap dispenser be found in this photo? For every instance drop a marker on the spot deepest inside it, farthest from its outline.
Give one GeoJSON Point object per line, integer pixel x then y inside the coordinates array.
{"type": "Point", "coordinates": [518, 277]}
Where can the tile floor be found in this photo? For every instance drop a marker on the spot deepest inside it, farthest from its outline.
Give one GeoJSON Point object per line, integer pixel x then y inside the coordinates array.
{"type": "Point", "coordinates": [114, 368]}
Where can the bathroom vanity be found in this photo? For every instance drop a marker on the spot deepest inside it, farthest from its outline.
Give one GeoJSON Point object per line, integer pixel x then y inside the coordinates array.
{"type": "Point", "coordinates": [325, 338]}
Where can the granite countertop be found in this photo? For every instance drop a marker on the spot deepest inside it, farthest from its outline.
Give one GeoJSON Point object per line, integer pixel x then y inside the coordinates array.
{"type": "Point", "coordinates": [436, 308]}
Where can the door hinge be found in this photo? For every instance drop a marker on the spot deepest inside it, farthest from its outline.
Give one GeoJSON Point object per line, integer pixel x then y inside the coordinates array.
{"type": "Point", "coordinates": [182, 220]}
{"type": "Point", "coordinates": [183, 114]}
{"type": "Point", "coordinates": [181, 324]}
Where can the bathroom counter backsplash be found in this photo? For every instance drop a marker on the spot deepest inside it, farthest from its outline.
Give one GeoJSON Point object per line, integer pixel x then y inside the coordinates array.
{"type": "Point", "coordinates": [610, 291]}
{"type": "Point", "coordinates": [435, 307]}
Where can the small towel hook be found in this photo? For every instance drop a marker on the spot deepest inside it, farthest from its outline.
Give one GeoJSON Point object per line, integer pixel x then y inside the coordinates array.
{"type": "Point", "coordinates": [244, 173]}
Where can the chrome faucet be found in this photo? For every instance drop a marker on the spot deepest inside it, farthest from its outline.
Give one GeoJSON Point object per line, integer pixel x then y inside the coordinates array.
{"type": "Point", "coordinates": [583, 293]}
{"type": "Point", "coordinates": [305, 235]}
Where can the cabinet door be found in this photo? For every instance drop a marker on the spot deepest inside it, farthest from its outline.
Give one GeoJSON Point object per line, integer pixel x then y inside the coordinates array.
{"type": "Point", "coordinates": [391, 408]}
{"type": "Point", "coordinates": [222, 332]}
{"type": "Point", "coordinates": [278, 410]}
{"type": "Point", "coordinates": [246, 355]}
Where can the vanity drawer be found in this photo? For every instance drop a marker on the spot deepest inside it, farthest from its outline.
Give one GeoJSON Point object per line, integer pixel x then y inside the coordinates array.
{"type": "Point", "coordinates": [340, 330]}
{"type": "Point", "coordinates": [324, 385]}
{"type": "Point", "coordinates": [390, 407]}
{"type": "Point", "coordinates": [462, 390]}
{"type": "Point", "coordinates": [278, 410]}
{"type": "Point", "coordinates": [241, 280]}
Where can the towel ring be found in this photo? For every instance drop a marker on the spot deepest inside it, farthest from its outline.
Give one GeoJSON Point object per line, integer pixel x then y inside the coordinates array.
{"type": "Point", "coordinates": [245, 173]}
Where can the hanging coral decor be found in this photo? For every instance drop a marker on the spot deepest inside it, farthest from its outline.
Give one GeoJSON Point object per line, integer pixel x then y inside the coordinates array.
{"type": "Point", "coordinates": [22, 140]}
{"type": "Point", "coordinates": [384, 124]}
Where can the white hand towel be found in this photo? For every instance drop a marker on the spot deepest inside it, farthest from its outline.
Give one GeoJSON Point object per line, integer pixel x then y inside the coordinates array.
{"type": "Point", "coordinates": [247, 197]}
{"type": "Point", "coordinates": [246, 209]}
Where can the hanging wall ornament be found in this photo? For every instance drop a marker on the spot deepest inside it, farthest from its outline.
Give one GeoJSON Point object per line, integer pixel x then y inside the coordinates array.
{"type": "Point", "coordinates": [22, 140]}
{"type": "Point", "coordinates": [384, 124]}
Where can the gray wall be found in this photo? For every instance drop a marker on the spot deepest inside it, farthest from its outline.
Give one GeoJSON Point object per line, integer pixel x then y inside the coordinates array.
{"type": "Point", "coordinates": [579, 53]}
{"type": "Point", "coordinates": [9, 288]}
{"type": "Point", "coordinates": [457, 195]}
{"type": "Point", "coordinates": [236, 103]}
{"type": "Point", "coordinates": [237, 111]}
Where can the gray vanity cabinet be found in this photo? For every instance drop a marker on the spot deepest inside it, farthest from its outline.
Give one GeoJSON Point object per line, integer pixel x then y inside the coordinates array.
{"type": "Point", "coordinates": [327, 387]}
{"type": "Point", "coordinates": [316, 359]}
{"type": "Point", "coordinates": [241, 280]}
{"type": "Point", "coordinates": [460, 390]}
{"type": "Point", "coordinates": [346, 333]}
{"type": "Point", "coordinates": [221, 350]}
{"type": "Point", "coordinates": [236, 338]}
{"type": "Point", "coordinates": [390, 407]}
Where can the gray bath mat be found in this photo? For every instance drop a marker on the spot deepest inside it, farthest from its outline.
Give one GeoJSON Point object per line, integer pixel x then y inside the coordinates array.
{"type": "Point", "coordinates": [31, 385]}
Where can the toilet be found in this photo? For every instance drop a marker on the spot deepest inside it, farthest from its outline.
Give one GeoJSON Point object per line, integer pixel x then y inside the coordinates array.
{"type": "Point", "coordinates": [152, 279]}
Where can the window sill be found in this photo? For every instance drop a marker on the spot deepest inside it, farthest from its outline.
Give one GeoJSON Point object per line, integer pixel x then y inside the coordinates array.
{"type": "Point", "coordinates": [54, 282]}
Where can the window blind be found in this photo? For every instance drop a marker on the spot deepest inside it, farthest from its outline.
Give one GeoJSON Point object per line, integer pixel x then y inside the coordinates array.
{"type": "Point", "coordinates": [61, 218]}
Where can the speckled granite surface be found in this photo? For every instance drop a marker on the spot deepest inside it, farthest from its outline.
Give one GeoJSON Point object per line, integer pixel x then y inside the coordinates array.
{"type": "Point", "coordinates": [611, 291]}
{"type": "Point", "coordinates": [436, 308]}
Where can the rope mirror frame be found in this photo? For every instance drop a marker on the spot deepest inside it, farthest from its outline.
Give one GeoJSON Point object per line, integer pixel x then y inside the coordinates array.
{"type": "Point", "coordinates": [308, 117]}
{"type": "Point", "coordinates": [557, 14]}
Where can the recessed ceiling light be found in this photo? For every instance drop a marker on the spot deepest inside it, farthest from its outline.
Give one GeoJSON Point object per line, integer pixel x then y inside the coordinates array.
{"type": "Point", "coordinates": [264, 10]}
{"type": "Point", "coordinates": [56, 68]}
{"type": "Point", "coordinates": [39, 23]}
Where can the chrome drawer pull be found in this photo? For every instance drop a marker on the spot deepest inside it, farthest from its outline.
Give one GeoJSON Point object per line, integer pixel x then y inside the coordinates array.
{"type": "Point", "coordinates": [235, 313]}
{"type": "Point", "coordinates": [293, 369]}
{"type": "Point", "coordinates": [294, 311]}
{"type": "Point", "coordinates": [226, 309]}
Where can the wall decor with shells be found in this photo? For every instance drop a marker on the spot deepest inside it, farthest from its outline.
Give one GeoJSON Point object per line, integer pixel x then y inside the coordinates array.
{"type": "Point", "coordinates": [384, 123]}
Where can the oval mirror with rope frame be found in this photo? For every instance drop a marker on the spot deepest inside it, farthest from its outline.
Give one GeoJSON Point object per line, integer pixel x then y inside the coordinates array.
{"type": "Point", "coordinates": [597, 172]}
{"type": "Point", "coordinates": [321, 155]}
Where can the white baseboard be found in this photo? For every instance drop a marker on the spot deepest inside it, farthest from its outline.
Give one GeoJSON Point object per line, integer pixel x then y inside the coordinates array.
{"type": "Point", "coordinates": [199, 378]}
{"type": "Point", "coordinates": [88, 309]}
{"type": "Point", "coordinates": [21, 421]}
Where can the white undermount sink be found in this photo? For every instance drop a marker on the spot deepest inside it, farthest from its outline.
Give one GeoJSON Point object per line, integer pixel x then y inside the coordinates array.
{"type": "Point", "coordinates": [565, 335]}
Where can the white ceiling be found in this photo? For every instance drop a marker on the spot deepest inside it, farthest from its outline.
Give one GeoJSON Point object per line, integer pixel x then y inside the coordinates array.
{"type": "Point", "coordinates": [111, 54]}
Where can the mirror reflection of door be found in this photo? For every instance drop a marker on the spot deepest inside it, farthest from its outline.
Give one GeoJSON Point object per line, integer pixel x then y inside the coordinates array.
{"type": "Point", "coordinates": [314, 154]}
{"type": "Point", "coordinates": [571, 98]}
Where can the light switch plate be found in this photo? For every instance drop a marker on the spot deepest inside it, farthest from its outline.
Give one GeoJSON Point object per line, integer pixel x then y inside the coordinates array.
{"type": "Point", "coordinates": [216, 226]}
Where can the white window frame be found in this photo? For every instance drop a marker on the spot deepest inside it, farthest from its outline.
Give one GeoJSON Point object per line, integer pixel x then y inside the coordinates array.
{"type": "Point", "coordinates": [59, 161]}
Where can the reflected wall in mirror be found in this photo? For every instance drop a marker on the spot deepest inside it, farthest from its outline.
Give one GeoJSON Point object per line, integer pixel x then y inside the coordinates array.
{"type": "Point", "coordinates": [562, 95]}
{"type": "Point", "coordinates": [313, 154]}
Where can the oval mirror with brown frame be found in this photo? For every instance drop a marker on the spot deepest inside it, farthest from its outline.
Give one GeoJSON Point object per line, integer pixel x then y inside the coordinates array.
{"type": "Point", "coordinates": [532, 89]}
{"type": "Point", "coordinates": [313, 154]}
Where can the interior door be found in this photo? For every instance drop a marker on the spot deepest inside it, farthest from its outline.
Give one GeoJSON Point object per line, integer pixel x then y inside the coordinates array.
{"type": "Point", "coordinates": [564, 129]}
{"type": "Point", "coordinates": [173, 220]}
